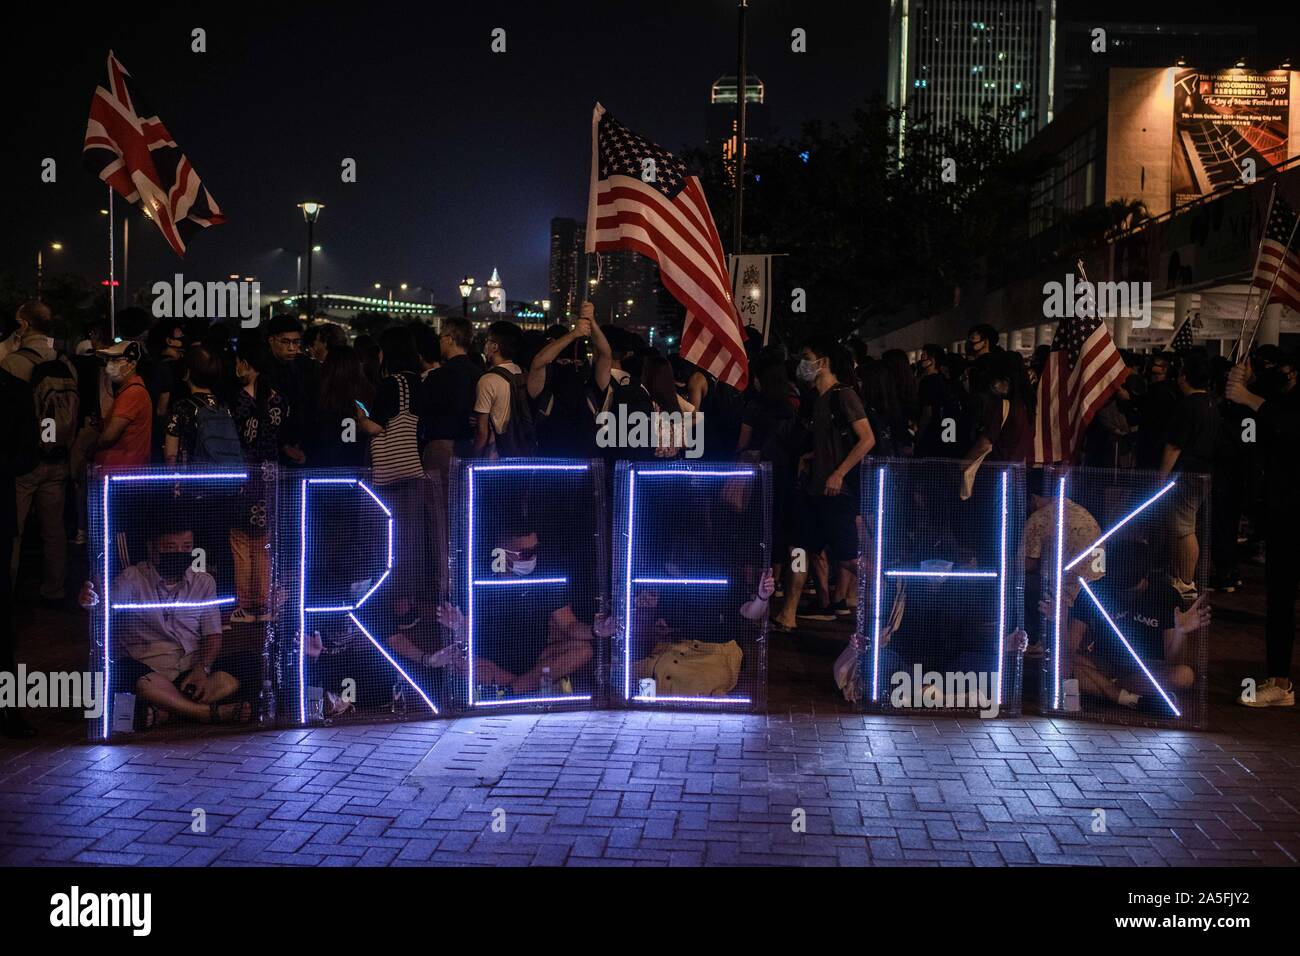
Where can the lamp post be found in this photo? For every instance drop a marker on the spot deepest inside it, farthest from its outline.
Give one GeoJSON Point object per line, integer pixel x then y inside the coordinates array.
{"type": "Point", "coordinates": [40, 265]}
{"type": "Point", "coordinates": [310, 212]}
{"type": "Point", "coordinates": [466, 289]}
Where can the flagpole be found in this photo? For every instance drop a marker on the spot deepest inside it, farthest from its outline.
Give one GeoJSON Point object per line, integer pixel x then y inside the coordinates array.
{"type": "Point", "coordinates": [126, 255]}
{"type": "Point", "coordinates": [742, 70]}
{"type": "Point", "coordinates": [1259, 254]}
{"type": "Point", "coordinates": [1276, 273]}
{"type": "Point", "coordinates": [112, 292]}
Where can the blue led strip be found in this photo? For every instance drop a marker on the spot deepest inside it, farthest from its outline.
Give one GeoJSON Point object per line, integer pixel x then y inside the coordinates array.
{"type": "Point", "coordinates": [1056, 597]}
{"type": "Point", "coordinates": [109, 608]}
{"type": "Point", "coordinates": [999, 575]}
{"type": "Point", "coordinates": [1129, 647]}
{"type": "Point", "coordinates": [471, 582]}
{"type": "Point", "coordinates": [875, 603]}
{"type": "Point", "coordinates": [303, 610]}
{"type": "Point", "coordinates": [629, 580]}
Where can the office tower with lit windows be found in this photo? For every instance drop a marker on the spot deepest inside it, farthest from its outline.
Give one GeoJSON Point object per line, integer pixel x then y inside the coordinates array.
{"type": "Point", "coordinates": [952, 58]}
{"type": "Point", "coordinates": [568, 237]}
{"type": "Point", "coordinates": [720, 130]}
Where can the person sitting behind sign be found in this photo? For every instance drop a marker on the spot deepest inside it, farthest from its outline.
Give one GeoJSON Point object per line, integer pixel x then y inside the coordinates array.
{"type": "Point", "coordinates": [508, 652]}
{"type": "Point", "coordinates": [682, 665]}
{"type": "Point", "coordinates": [1150, 617]}
{"type": "Point", "coordinates": [171, 650]}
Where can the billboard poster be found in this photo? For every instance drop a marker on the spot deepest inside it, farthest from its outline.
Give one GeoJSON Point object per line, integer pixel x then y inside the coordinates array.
{"type": "Point", "coordinates": [1223, 120]}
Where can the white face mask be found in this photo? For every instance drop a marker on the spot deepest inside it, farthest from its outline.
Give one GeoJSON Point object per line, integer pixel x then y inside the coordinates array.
{"type": "Point", "coordinates": [116, 371]}
{"type": "Point", "coordinates": [523, 568]}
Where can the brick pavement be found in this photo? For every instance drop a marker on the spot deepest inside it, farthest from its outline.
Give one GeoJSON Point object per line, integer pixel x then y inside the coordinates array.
{"type": "Point", "coordinates": [637, 788]}
{"type": "Point", "coordinates": [616, 788]}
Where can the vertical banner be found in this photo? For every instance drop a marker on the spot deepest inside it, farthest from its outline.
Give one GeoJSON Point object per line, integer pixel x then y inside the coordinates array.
{"type": "Point", "coordinates": [941, 587]}
{"type": "Point", "coordinates": [529, 563]}
{"type": "Point", "coordinates": [751, 290]}
{"type": "Point", "coordinates": [1123, 635]}
{"type": "Point", "coordinates": [691, 542]}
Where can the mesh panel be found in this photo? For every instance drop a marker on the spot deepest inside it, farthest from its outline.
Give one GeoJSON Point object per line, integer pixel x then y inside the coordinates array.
{"type": "Point", "coordinates": [364, 575]}
{"type": "Point", "coordinates": [1117, 646]}
{"type": "Point", "coordinates": [691, 540]}
{"type": "Point", "coordinates": [183, 564]}
{"type": "Point", "coordinates": [941, 591]}
{"type": "Point", "coordinates": [528, 578]}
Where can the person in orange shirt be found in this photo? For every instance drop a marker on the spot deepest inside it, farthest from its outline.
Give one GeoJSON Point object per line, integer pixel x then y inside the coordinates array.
{"type": "Point", "coordinates": [124, 439]}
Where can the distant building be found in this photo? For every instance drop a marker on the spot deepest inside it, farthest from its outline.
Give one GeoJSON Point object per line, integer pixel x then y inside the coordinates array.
{"type": "Point", "coordinates": [1080, 63]}
{"type": "Point", "coordinates": [568, 237]}
{"type": "Point", "coordinates": [720, 130]}
{"type": "Point", "coordinates": [951, 58]}
{"type": "Point", "coordinates": [489, 299]}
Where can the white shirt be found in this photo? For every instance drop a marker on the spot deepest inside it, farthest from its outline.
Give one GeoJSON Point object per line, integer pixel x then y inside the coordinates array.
{"type": "Point", "coordinates": [493, 396]}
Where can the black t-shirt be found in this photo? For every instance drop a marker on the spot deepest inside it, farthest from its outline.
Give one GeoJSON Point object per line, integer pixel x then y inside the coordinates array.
{"type": "Point", "coordinates": [940, 398]}
{"type": "Point", "coordinates": [1195, 432]}
{"type": "Point", "coordinates": [834, 413]}
{"type": "Point", "coordinates": [447, 400]}
{"type": "Point", "coordinates": [512, 624]}
{"type": "Point", "coordinates": [1142, 619]}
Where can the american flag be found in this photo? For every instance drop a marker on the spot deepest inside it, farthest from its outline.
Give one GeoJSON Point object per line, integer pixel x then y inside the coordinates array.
{"type": "Point", "coordinates": [1083, 371]}
{"type": "Point", "coordinates": [131, 150]}
{"type": "Point", "coordinates": [1182, 340]}
{"type": "Point", "coordinates": [1279, 255]}
{"type": "Point", "coordinates": [667, 219]}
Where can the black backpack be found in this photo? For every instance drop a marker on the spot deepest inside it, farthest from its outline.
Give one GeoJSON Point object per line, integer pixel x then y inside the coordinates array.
{"type": "Point", "coordinates": [55, 398]}
{"type": "Point", "coordinates": [519, 440]}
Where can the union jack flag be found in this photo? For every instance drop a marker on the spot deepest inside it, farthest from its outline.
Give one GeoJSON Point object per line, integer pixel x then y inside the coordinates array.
{"type": "Point", "coordinates": [130, 149]}
{"type": "Point", "coordinates": [643, 198]}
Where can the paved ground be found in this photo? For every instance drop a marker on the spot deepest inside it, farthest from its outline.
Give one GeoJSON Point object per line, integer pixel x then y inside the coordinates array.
{"type": "Point", "coordinates": [638, 788]}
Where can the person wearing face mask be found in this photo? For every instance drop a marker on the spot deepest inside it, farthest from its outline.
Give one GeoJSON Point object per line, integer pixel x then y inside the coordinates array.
{"type": "Point", "coordinates": [167, 655]}
{"type": "Point", "coordinates": [525, 633]}
{"type": "Point", "coordinates": [940, 402]}
{"type": "Point", "coordinates": [128, 426]}
{"type": "Point", "coordinates": [826, 513]}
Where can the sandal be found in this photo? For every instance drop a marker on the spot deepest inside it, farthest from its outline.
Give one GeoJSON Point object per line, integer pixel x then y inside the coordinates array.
{"type": "Point", "coordinates": [149, 716]}
{"type": "Point", "coordinates": [241, 714]}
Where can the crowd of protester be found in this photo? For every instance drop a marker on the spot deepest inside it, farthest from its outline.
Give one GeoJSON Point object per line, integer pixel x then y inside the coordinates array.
{"type": "Point", "coordinates": [408, 401]}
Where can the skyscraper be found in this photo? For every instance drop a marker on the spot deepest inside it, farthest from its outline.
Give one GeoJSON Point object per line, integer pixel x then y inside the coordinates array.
{"type": "Point", "coordinates": [568, 237]}
{"type": "Point", "coordinates": [950, 58]}
{"type": "Point", "coordinates": [720, 131]}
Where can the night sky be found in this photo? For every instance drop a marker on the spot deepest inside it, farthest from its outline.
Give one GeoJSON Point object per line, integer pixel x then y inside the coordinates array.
{"type": "Point", "coordinates": [463, 155]}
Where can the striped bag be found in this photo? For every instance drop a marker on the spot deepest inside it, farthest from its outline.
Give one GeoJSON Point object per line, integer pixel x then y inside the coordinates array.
{"type": "Point", "coordinates": [395, 452]}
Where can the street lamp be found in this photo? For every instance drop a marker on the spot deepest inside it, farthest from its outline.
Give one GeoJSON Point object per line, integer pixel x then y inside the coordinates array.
{"type": "Point", "coordinates": [40, 264]}
{"type": "Point", "coordinates": [310, 213]}
{"type": "Point", "coordinates": [466, 288]}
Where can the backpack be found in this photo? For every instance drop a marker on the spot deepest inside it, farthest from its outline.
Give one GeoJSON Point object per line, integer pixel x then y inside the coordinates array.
{"type": "Point", "coordinates": [844, 437]}
{"type": "Point", "coordinates": [519, 439]}
{"type": "Point", "coordinates": [55, 398]}
{"type": "Point", "coordinates": [215, 439]}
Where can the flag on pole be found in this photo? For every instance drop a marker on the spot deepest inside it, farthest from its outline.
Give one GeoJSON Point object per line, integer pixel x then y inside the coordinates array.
{"type": "Point", "coordinates": [1182, 338]}
{"type": "Point", "coordinates": [130, 149]}
{"type": "Point", "coordinates": [1084, 369]}
{"type": "Point", "coordinates": [1278, 268]}
{"type": "Point", "coordinates": [643, 199]}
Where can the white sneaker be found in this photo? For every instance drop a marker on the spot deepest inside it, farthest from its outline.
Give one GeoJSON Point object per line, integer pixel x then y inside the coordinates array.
{"type": "Point", "coordinates": [1270, 694]}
